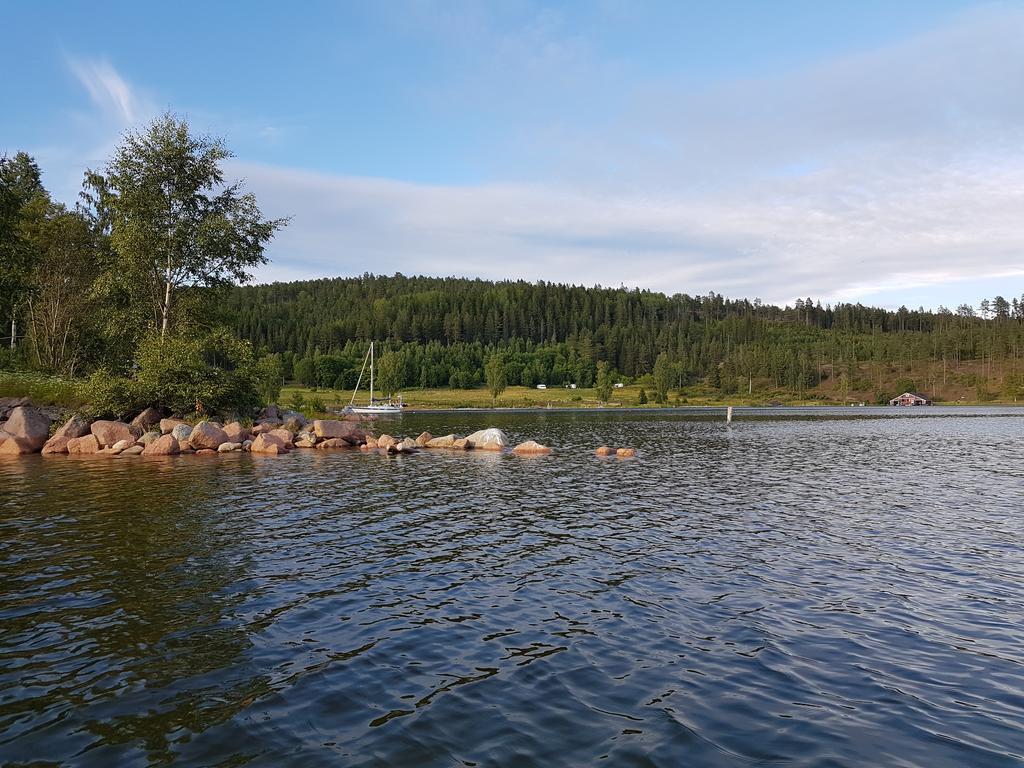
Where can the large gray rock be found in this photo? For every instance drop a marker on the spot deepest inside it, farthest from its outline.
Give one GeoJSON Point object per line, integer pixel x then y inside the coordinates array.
{"type": "Point", "coordinates": [29, 427]}
{"type": "Point", "coordinates": [181, 431]}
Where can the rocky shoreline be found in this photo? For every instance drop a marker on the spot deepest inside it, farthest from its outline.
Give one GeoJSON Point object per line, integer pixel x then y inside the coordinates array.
{"type": "Point", "coordinates": [26, 430]}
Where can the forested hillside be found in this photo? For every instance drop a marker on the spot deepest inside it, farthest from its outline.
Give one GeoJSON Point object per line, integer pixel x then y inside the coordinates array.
{"type": "Point", "coordinates": [441, 331]}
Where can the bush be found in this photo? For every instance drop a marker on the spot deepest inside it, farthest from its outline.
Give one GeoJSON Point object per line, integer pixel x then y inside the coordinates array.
{"type": "Point", "coordinates": [211, 374]}
{"type": "Point", "coordinates": [110, 396]}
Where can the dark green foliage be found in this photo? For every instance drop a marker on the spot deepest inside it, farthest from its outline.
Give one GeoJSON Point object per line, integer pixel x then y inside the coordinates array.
{"type": "Point", "coordinates": [642, 399]}
{"type": "Point", "coordinates": [445, 329]}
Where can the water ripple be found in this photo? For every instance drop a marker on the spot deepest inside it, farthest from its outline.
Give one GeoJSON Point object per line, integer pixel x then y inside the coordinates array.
{"type": "Point", "coordinates": [842, 589]}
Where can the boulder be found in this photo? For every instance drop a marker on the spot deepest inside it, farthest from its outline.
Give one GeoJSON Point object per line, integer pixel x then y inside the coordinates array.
{"type": "Point", "coordinates": [167, 425]}
{"type": "Point", "coordinates": [371, 442]}
{"type": "Point", "coordinates": [492, 439]}
{"type": "Point", "coordinates": [56, 444]}
{"type": "Point", "coordinates": [133, 450]}
{"type": "Point", "coordinates": [149, 437]}
{"type": "Point", "coordinates": [86, 444]}
{"type": "Point", "coordinates": [181, 431]}
{"type": "Point", "coordinates": [271, 413]}
{"type": "Point", "coordinates": [207, 452]}
{"type": "Point", "coordinates": [263, 427]}
{"type": "Point", "coordinates": [293, 420]}
{"type": "Point", "coordinates": [165, 445]}
{"type": "Point", "coordinates": [229, 447]}
{"type": "Point", "coordinates": [76, 426]}
{"type": "Point", "coordinates": [333, 442]}
{"type": "Point", "coordinates": [29, 427]}
{"type": "Point", "coordinates": [15, 446]}
{"type": "Point", "coordinates": [267, 443]}
{"type": "Point", "coordinates": [236, 432]}
{"type": "Point", "coordinates": [120, 446]}
{"type": "Point", "coordinates": [448, 441]}
{"type": "Point", "coordinates": [408, 445]}
{"type": "Point", "coordinates": [336, 428]}
{"type": "Point", "coordinates": [423, 439]}
{"type": "Point", "coordinates": [305, 440]}
{"type": "Point", "coordinates": [604, 450]}
{"type": "Point", "coordinates": [460, 444]}
{"type": "Point", "coordinates": [626, 453]}
{"type": "Point", "coordinates": [531, 447]}
{"type": "Point", "coordinates": [206, 435]}
{"type": "Point", "coordinates": [109, 432]}
{"type": "Point", "coordinates": [247, 445]}
{"type": "Point", "coordinates": [386, 441]}
{"type": "Point", "coordinates": [148, 418]}
{"type": "Point", "coordinates": [283, 435]}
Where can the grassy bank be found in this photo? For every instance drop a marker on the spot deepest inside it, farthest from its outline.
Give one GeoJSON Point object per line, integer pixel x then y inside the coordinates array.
{"type": "Point", "coordinates": [42, 389]}
{"type": "Point", "coordinates": [524, 397]}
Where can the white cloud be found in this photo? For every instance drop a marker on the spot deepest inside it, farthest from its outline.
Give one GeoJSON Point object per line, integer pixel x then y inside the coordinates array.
{"type": "Point", "coordinates": [109, 91]}
{"type": "Point", "coordinates": [808, 236]}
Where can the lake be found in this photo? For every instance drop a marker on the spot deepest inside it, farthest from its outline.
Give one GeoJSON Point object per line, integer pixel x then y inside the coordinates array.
{"type": "Point", "coordinates": [802, 587]}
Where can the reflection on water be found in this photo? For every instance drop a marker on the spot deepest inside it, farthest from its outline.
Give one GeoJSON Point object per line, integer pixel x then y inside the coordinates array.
{"type": "Point", "coordinates": [820, 590]}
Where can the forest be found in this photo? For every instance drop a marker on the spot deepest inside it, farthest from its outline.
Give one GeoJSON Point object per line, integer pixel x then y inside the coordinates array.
{"type": "Point", "coordinates": [441, 332]}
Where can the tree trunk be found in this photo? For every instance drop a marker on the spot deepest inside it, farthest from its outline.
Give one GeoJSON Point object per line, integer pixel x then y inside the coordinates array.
{"type": "Point", "coordinates": [14, 329]}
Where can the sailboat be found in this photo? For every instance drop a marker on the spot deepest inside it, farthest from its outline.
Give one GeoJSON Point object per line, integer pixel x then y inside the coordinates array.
{"type": "Point", "coordinates": [382, 408]}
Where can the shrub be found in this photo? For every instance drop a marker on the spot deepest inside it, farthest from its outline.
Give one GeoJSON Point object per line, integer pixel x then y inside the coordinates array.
{"type": "Point", "coordinates": [209, 374]}
{"type": "Point", "coordinates": [111, 396]}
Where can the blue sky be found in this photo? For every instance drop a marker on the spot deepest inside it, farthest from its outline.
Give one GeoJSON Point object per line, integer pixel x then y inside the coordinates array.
{"type": "Point", "coordinates": [865, 151]}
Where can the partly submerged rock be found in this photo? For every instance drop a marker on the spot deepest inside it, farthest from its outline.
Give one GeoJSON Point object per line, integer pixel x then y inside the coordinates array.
{"type": "Point", "coordinates": [448, 441]}
{"type": "Point", "coordinates": [229, 447]}
{"type": "Point", "coordinates": [626, 453]}
{"type": "Point", "coordinates": [133, 450]}
{"type": "Point", "coordinates": [165, 445]}
{"type": "Point", "coordinates": [76, 426]}
{"type": "Point", "coordinates": [531, 447]}
{"type": "Point", "coordinates": [423, 439]}
{"type": "Point", "coordinates": [491, 439]}
{"type": "Point", "coordinates": [283, 435]}
{"type": "Point", "coordinates": [29, 427]}
{"type": "Point", "coordinates": [86, 444]}
{"type": "Point", "coordinates": [268, 443]}
{"type": "Point", "coordinates": [604, 450]}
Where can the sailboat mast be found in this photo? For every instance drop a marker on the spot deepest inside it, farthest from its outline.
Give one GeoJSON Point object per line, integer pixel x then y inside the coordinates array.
{"type": "Point", "coordinates": [371, 373]}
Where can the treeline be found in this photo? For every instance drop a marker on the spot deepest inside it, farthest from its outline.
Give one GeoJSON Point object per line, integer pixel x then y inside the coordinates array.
{"type": "Point", "coordinates": [124, 288]}
{"type": "Point", "coordinates": [441, 332]}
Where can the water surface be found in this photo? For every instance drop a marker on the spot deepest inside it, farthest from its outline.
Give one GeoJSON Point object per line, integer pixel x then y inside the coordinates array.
{"type": "Point", "coordinates": [813, 588]}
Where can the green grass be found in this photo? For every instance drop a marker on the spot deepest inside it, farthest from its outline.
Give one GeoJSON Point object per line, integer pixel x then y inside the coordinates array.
{"type": "Point", "coordinates": [42, 389]}
{"type": "Point", "coordinates": [556, 397]}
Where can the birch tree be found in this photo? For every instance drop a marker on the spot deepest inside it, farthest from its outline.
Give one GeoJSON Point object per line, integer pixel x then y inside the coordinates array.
{"type": "Point", "coordinates": [175, 223]}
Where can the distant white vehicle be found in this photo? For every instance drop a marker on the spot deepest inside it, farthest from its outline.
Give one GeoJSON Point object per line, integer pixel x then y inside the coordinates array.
{"type": "Point", "coordinates": [619, 385]}
{"type": "Point", "coordinates": [542, 386]}
{"type": "Point", "coordinates": [570, 386]}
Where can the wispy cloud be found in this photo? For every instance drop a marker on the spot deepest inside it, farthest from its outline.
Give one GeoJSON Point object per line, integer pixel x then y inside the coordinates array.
{"type": "Point", "coordinates": [109, 91]}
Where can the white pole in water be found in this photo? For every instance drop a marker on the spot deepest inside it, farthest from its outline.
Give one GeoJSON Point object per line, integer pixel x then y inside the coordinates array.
{"type": "Point", "coordinates": [728, 415]}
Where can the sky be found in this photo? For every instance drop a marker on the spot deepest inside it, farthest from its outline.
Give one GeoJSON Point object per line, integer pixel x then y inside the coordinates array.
{"type": "Point", "coordinates": [846, 151]}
